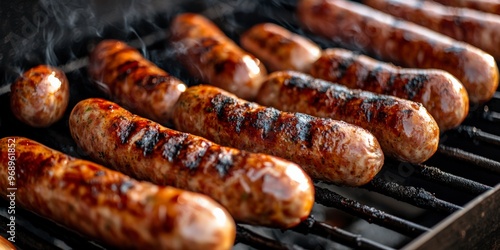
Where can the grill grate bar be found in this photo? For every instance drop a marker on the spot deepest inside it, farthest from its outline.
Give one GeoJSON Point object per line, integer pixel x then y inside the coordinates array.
{"type": "Point", "coordinates": [491, 116]}
{"type": "Point", "coordinates": [480, 161]}
{"type": "Point", "coordinates": [479, 135]}
{"type": "Point", "coordinates": [416, 196]}
{"type": "Point", "coordinates": [258, 241]}
{"type": "Point", "coordinates": [370, 214]}
{"type": "Point", "coordinates": [311, 226]}
{"type": "Point", "coordinates": [25, 238]}
{"type": "Point", "coordinates": [438, 176]}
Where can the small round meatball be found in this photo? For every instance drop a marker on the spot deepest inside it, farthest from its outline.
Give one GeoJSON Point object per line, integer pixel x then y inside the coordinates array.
{"type": "Point", "coordinates": [40, 96]}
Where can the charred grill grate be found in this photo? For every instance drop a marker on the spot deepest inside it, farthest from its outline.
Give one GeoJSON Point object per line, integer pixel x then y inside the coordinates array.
{"type": "Point", "coordinates": [465, 166]}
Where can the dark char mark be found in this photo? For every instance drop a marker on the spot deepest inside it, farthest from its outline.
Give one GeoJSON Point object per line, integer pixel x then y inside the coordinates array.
{"type": "Point", "coordinates": [125, 130]}
{"type": "Point", "coordinates": [148, 140]}
{"type": "Point", "coordinates": [414, 85]}
{"type": "Point", "coordinates": [343, 65]}
{"type": "Point", "coordinates": [224, 163]}
{"type": "Point", "coordinates": [304, 127]}
{"type": "Point", "coordinates": [219, 103]}
{"type": "Point", "coordinates": [173, 145]}
{"type": "Point", "coordinates": [266, 119]}
{"type": "Point", "coordinates": [193, 155]}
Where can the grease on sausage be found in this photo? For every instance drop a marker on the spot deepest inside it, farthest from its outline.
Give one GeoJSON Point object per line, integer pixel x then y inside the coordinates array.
{"type": "Point", "coordinates": [441, 93]}
{"type": "Point", "coordinates": [109, 206]}
{"type": "Point", "coordinates": [255, 188]}
{"type": "Point", "coordinates": [404, 129]}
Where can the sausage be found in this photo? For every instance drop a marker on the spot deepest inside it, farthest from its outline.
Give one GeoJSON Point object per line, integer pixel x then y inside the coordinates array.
{"type": "Point", "coordinates": [360, 28]}
{"type": "Point", "coordinates": [6, 245]}
{"type": "Point", "coordinates": [491, 6]}
{"type": "Point", "coordinates": [208, 54]}
{"type": "Point", "coordinates": [109, 206]}
{"type": "Point", "coordinates": [39, 97]}
{"type": "Point", "coordinates": [326, 149]}
{"type": "Point", "coordinates": [280, 49]}
{"type": "Point", "coordinates": [404, 129]}
{"type": "Point", "coordinates": [441, 93]}
{"type": "Point", "coordinates": [475, 27]}
{"type": "Point", "coordinates": [128, 78]}
{"type": "Point", "coordinates": [255, 188]}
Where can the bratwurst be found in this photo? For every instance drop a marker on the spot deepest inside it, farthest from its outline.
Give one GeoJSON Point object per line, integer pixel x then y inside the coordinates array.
{"type": "Point", "coordinates": [326, 149]}
{"type": "Point", "coordinates": [208, 54]}
{"type": "Point", "coordinates": [107, 205]}
{"type": "Point", "coordinates": [441, 93]}
{"type": "Point", "coordinates": [121, 72]}
{"type": "Point", "coordinates": [360, 28]}
{"type": "Point", "coordinates": [255, 188]}
{"type": "Point", "coordinates": [404, 129]}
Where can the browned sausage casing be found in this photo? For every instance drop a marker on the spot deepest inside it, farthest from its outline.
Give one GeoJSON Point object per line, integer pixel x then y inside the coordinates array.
{"type": "Point", "coordinates": [110, 206]}
{"type": "Point", "coordinates": [491, 6]}
{"type": "Point", "coordinates": [326, 149]}
{"type": "Point", "coordinates": [210, 55]}
{"type": "Point", "coordinates": [255, 188]}
{"type": "Point", "coordinates": [475, 27]}
{"type": "Point", "coordinates": [361, 28]}
{"type": "Point", "coordinates": [280, 49]}
{"type": "Point", "coordinates": [131, 80]}
{"type": "Point", "coordinates": [441, 93]}
{"type": "Point", "coordinates": [40, 96]}
{"type": "Point", "coordinates": [404, 129]}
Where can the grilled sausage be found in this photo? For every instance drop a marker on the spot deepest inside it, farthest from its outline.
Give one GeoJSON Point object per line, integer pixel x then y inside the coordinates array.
{"type": "Point", "coordinates": [361, 28]}
{"type": "Point", "coordinates": [441, 93]}
{"type": "Point", "coordinates": [211, 56]}
{"type": "Point", "coordinates": [255, 188]}
{"type": "Point", "coordinates": [40, 96]}
{"type": "Point", "coordinates": [280, 49]}
{"type": "Point", "coordinates": [6, 245]}
{"type": "Point", "coordinates": [109, 206]}
{"type": "Point", "coordinates": [326, 149]}
{"type": "Point", "coordinates": [491, 6]}
{"type": "Point", "coordinates": [131, 80]}
{"type": "Point", "coordinates": [404, 129]}
{"type": "Point", "coordinates": [475, 27]}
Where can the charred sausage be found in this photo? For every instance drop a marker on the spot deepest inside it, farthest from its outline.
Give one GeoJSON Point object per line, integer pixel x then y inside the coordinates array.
{"type": "Point", "coordinates": [491, 6]}
{"type": "Point", "coordinates": [404, 129]}
{"type": "Point", "coordinates": [39, 97]}
{"type": "Point", "coordinates": [280, 49]}
{"type": "Point", "coordinates": [109, 206]}
{"type": "Point", "coordinates": [211, 56]}
{"type": "Point", "coordinates": [255, 188]}
{"type": "Point", "coordinates": [441, 93]}
{"type": "Point", "coordinates": [326, 149]}
{"type": "Point", "coordinates": [360, 28]}
{"type": "Point", "coordinates": [131, 80]}
{"type": "Point", "coordinates": [475, 27]}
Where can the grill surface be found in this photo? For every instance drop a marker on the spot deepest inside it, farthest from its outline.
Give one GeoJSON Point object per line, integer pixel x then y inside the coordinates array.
{"type": "Point", "coordinates": [416, 206]}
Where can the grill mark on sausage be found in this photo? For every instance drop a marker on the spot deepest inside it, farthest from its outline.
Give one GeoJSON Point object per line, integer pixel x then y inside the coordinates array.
{"type": "Point", "coordinates": [220, 103]}
{"type": "Point", "coordinates": [126, 68]}
{"type": "Point", "coordinates": [224, 163]}
{"type": "Point", "coordinates": [124, 129]}
{"type": "Point", "coordinates": [148, 140]}
{"type": "Point", "coordinates": [266, 119]}
{"type": "Point", "coordinates": [303, 126]}
{"type": "Point", "coordinates": [193, 153]}
{"type": "Point", "coordinates": [173, 145]}
{"type": "Point", "coordinates": [414, 85]}
{"type": "Point", "coordinates": [343, 65]}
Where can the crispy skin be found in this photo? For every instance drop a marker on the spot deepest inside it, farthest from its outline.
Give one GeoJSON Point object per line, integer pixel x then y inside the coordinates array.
{"type": "Point", "coordinates": [280, 49]}
{"type": "Point", "coordinates": [40, 96]}
{"type": "Point", "coordinates": [326, 149]}
{"type": "Point", "coordinates": [360, 28]}
{"type": "Point", "coordinates": [491, 6]}
{"type": "Point", "coordinates": [404, 129]}
{"type": "Point", "coordinates": [441, 93]}
{"type": "Point", "coordinates": [110, 206]}
{"type": "Point", "coordinates": [131, 80]}
{"type": "Point", "coordinates": [255, 188]}
{"type": "Point", "coordinates": [471, 26]}
{"type": "Point", "coordinates": [211, 56]}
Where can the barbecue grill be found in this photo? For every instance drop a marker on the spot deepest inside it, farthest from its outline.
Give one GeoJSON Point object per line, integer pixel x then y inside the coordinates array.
{"type": "Point", "coordinates": [451, 201]}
